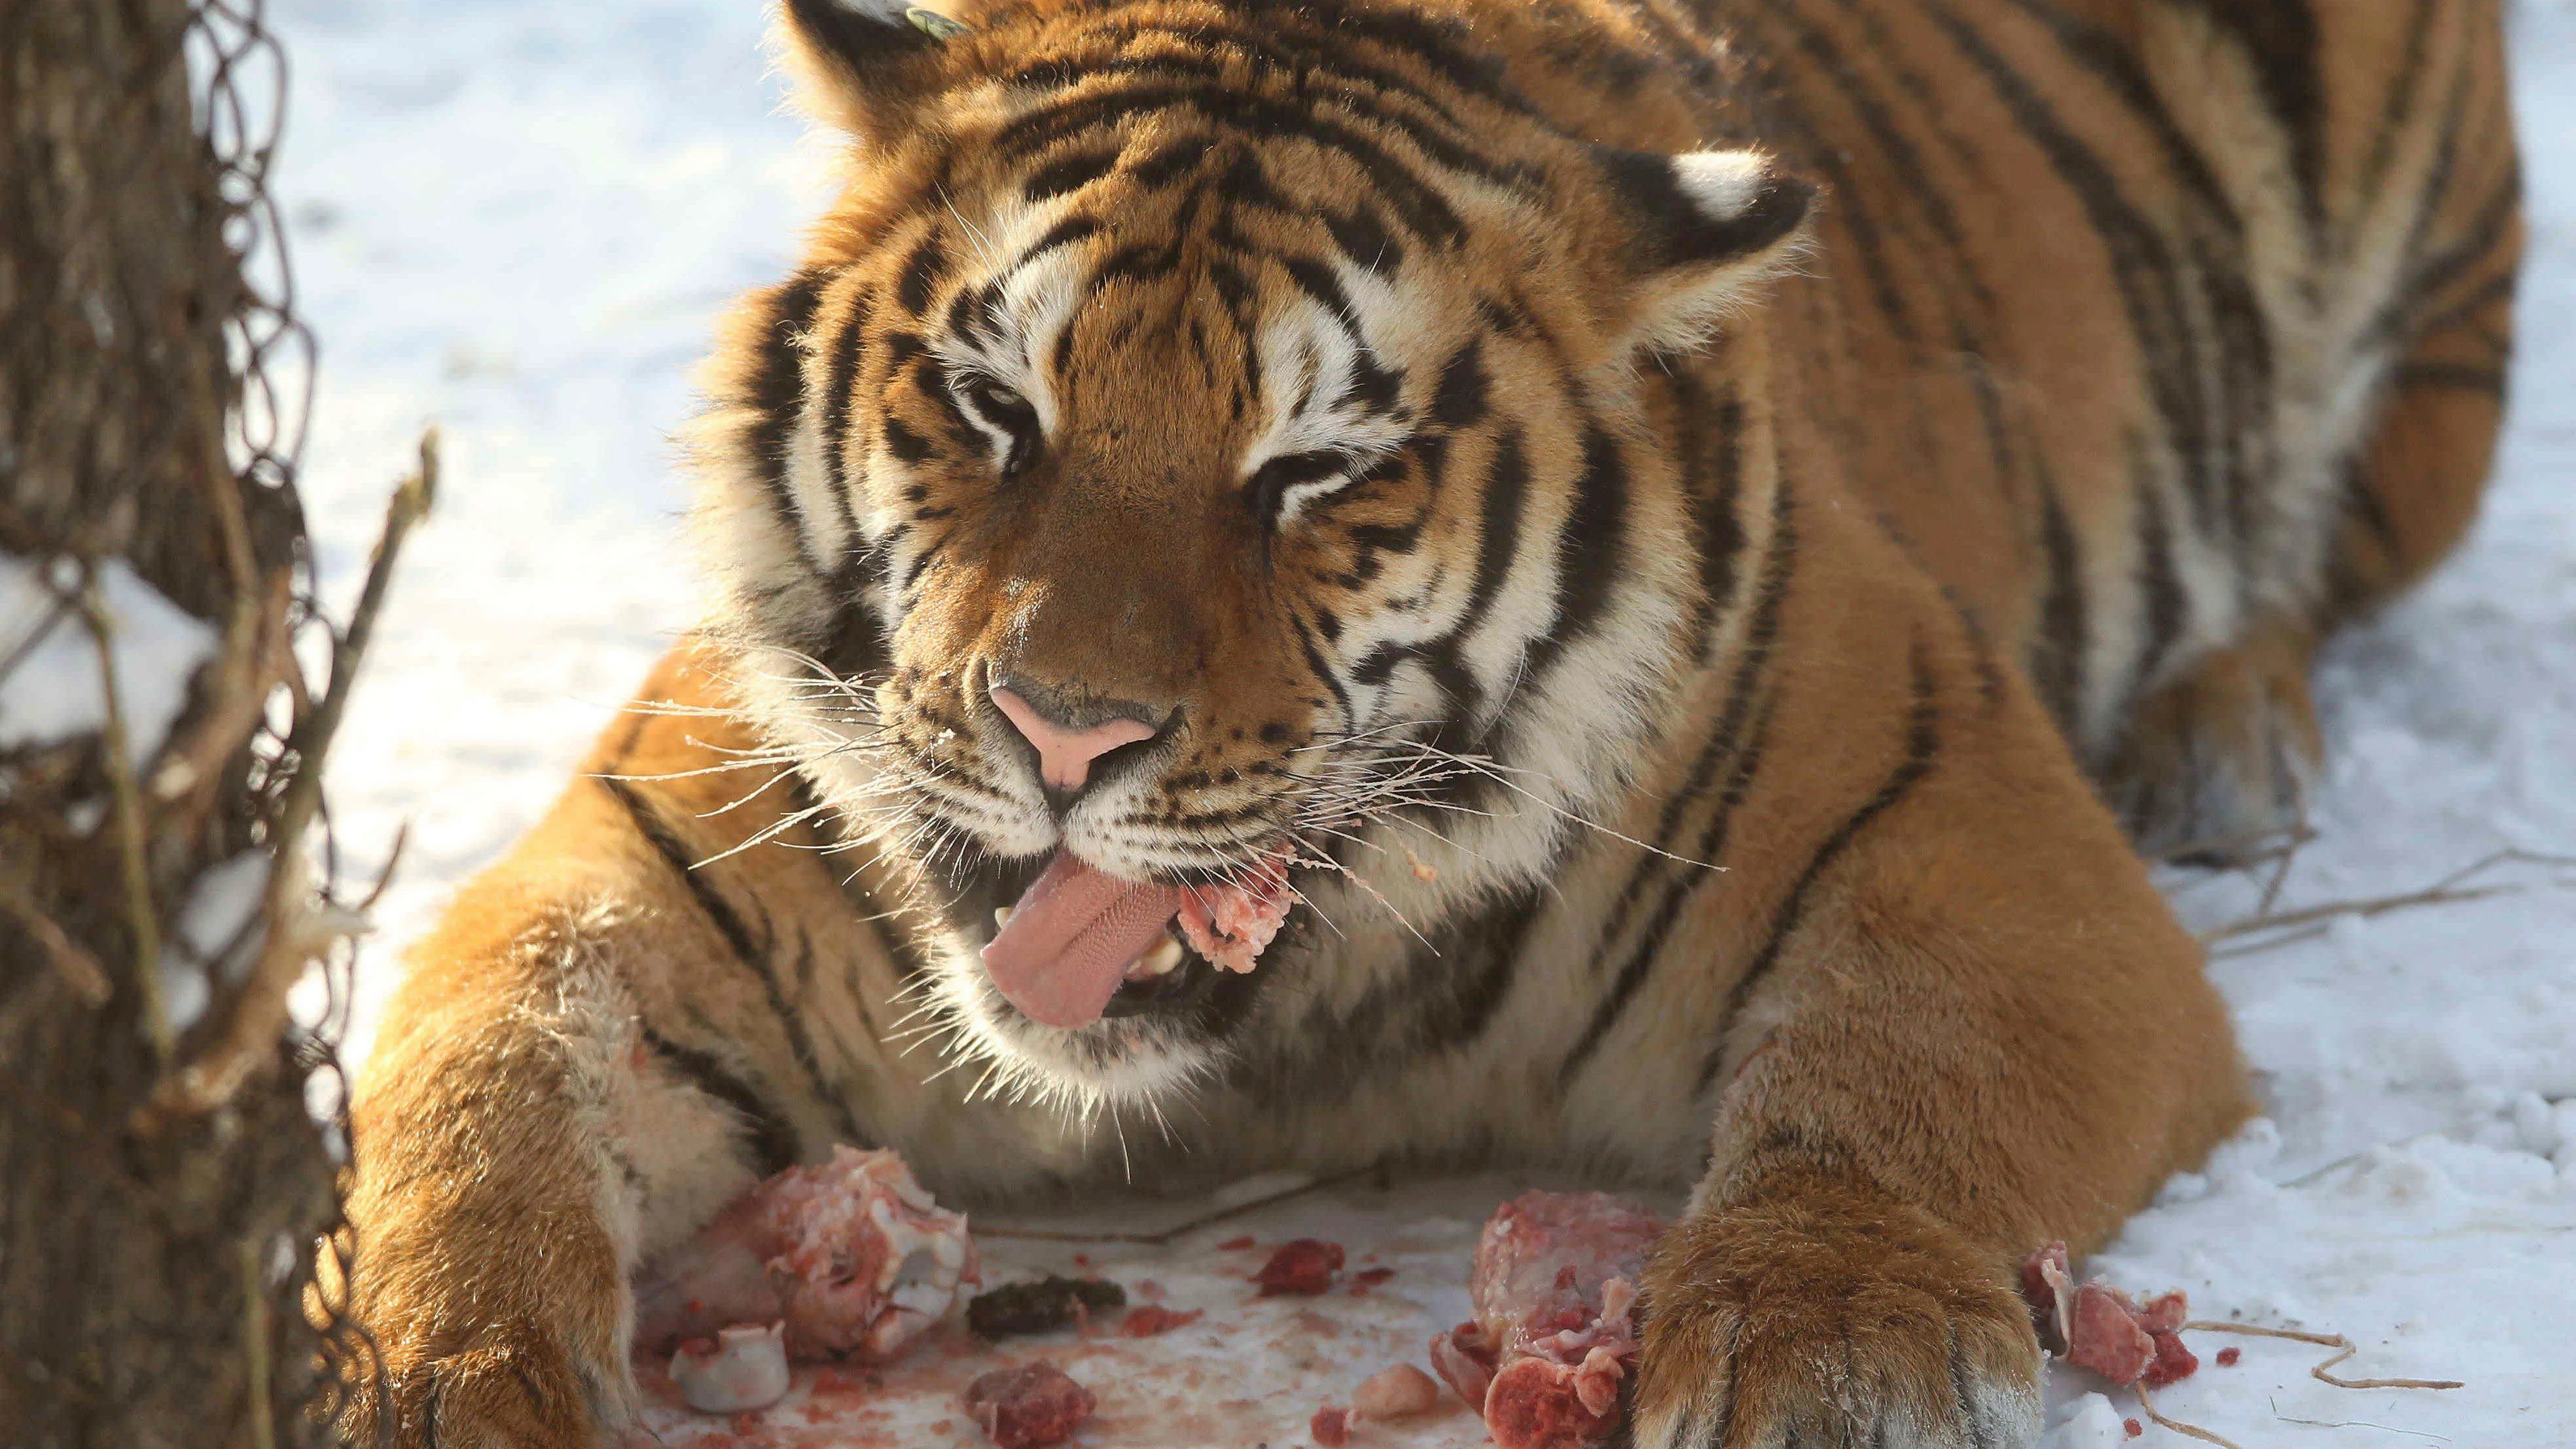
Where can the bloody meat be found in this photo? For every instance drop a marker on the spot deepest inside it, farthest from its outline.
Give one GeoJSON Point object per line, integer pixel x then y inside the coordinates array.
{"type": "Point", "coordinates": [1554, 1293]}
{"type": "Point", "coordinates": [1304, 1267]}
{"type": "Point", "coordinates": [851, 1255]}
{"type": "Point", "coordinates": [1029, 1406]}
{"type": "Point", "coordinates": [2096, 1326]}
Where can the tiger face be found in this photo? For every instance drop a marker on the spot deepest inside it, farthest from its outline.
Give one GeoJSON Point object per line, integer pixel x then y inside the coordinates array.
{"type": "Point", "coordinates": [1171, 486]}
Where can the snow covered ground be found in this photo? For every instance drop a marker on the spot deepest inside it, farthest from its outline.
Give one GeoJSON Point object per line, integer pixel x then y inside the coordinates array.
{"type": "Point", "coordinates": [519, 220]}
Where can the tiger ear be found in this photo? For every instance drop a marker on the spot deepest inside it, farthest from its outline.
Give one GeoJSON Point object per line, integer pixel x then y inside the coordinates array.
{"type": "Point", "coordinates": [861, 65]}
{"type": "Point", "coordinates": [1705, 229]}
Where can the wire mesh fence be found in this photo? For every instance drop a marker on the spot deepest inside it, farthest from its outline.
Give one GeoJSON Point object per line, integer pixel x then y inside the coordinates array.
{"type": "Point", "coordinates": [155, 384]}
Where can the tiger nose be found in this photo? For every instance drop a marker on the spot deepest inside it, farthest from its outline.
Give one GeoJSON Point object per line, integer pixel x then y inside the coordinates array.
{"type": "Point", "coordinates": [1065, 751]}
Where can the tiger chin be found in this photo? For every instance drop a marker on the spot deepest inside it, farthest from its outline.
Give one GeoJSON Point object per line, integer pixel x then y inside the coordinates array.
{"type": "Point", "coordinates": [1607, 586]}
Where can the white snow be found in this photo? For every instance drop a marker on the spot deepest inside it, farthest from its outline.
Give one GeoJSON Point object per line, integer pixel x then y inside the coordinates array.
{"type": "Point", "coordinates": [53, 691]}
{"type": "Point", "coordinates": [211, 940]}
{"type": "Point", "coordinates": [2091, 1423]}
{"type": "Point", "coordinates": [521, 220]}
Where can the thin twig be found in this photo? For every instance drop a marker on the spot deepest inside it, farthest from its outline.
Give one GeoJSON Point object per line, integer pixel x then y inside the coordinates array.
{"type": "Point", "coordinates": [2188, 1431]}
{"type": "Point", "coordinates": [2364, 908]}
{"type": "Point", "coordinates": [2449, 890]}
{"type": "Point", "coordinates": [297, 933]}
{"type": "Point", "coordinates": [2347, 1160]}
{"type": "Point", "coordinates": [2355, 1424]}
{"type": "Point", "coordinates": [2299, 837]}
{"type": "Point", "coordinates": [2322, 1340]}
{"type": "Point", "coordinates": [78, 968]}
{"type": "Point", "coordinates": [2274, 843]}
{"type": "Point", "coordinates": [131, 840]}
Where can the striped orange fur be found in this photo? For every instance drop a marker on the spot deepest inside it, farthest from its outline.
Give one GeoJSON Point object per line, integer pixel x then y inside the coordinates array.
{"type": "Point", "coordinates": [1693, 526]}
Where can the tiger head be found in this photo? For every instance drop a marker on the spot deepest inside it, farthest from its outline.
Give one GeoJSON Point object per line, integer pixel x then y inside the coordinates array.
{"type": "Point", "coordinates": [1198, 461]}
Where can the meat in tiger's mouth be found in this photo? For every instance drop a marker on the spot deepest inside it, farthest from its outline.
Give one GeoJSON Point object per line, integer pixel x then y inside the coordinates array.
{"type": "Point", "coordinates": [1080, 937]}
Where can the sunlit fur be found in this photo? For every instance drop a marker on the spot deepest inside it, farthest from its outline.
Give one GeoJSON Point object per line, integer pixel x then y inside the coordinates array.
{"type": "Point", "coordinates": [1692, 527]}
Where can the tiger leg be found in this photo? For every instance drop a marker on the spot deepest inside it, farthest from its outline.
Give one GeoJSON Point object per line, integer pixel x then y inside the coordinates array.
{"type": "Point", "coordinates": [2221, 758]}
{"type": "Point", "coordinates": [516, 1147]}
{"type": "Point", "coordinates": [1985, 1033]}
{"type": "Point", "coordinates": [2221, 761]}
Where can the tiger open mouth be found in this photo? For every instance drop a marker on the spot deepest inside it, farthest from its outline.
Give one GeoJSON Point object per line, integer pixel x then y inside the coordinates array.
{"type": "Point", "coordinates": [1079, 937]}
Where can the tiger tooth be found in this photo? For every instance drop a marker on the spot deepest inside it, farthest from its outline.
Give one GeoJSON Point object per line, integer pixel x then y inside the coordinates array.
{"type": "Point", "coordinates": [1001, 917]}
{"type": "Point", "coordinates": [1160, 960]}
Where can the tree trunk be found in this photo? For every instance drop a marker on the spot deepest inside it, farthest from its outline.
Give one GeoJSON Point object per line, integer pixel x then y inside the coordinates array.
{"type": "Point", "coordinates": [161, 1184]}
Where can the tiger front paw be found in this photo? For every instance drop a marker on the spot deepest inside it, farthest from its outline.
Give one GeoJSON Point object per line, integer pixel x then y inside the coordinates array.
{"type": "Point", "coordinates": [514, 1389]}
{"type": "Point", "coordinates": [1827, 1315]}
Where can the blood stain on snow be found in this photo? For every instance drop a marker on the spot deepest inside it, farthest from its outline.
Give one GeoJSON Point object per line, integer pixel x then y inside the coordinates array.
{"type": "Point", "coordinates": [1304, 1267]}
{"type": "Point", "coordinates": [1153, 1319]}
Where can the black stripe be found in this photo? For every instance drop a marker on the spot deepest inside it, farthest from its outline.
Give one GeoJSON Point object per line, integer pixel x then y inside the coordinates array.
{"type": "Point", "coordinates": [1326, 73]}
{"type": "Point", "coordinates": [2058, 651]}
{"type": "Point", "coordinates": [2143, 265]}
{"type": "Point", "coordinates": [1067, 174]}
{"type": "Point", "coordinates": [2499, 288]}
{"type": "Point", "coordinates": [1064, 233]}
{"type": "Point", "coordinates": [840, 382]}
{"type": "Point", "coordinates": [904, 443]}
{"type": "Point", "coordinates": [921, 271]}
{"type": "Point", "coordinates": [1728, 742]}
{"type": "Point", "coordinates": [775, 394]}
{"type": "Point", "coordinates": [2488, 230]}
{"type": "Point", "coordinates": [1459, 400]}
{"type": "Point", "coordinates": [1590, 549]}
{"type": "Point", "coordinates": [720, 912]}
{"type": "Point", "coordinates": [1714, 476]}
{"type": "Point", "coordinates": [1678, 891]}
{"type": "Point", "coordinates": [1446, 998]}
{"type": "Point", "coordinates": [773, 1137]}
{"type": "Point", "coordinates": [2113, 60]}
{"type": "Point", "coordinates": [1922, 747]}
{"type": "Point", "coordinates": [2163, 608]}
{"type": "Point", "coordinates": [1506, 496]}
{"type": "Point", "coordinates": [1317, 281]}
{"type": "Point", "coordinates": [1829, 161]}
{"type": "Point", "coordinates": [1498, 541]}
{"type": "Point", "coordinates": [2280, 38]}
{"type": "Point", "coordinates": [1324, 671]}
{"type": "Point", "coordinates": [1363, 237]}
{"type": "Point", "coordinates": [1419, 205]}
{"type": "Point", "coordinates": [2462, 376]}
{"type": "Point", "coordinates": [2398, 106]}
{"type": "Point", "coordinates": [1171, 161]}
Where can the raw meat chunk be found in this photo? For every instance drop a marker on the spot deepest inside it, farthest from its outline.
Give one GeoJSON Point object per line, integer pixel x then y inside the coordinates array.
{"type": "Point", "coordinates": [2103, 1335]}
{"type": "Point", "coordinates": [1395, 1393]}
{"type": "Point", "coordinates": [2096, 1326]}
{"type": "Point", "coordinates": [852, 1255]}
{"type": "Point", "coordinates": [1232, 924]}
{"type": "Point", "coordinates": [2173, 1362]}
{"type": "Point", "coordinates": [1331, 1427]}
{"type": "Point", "coordinates": [1040, 1306]}
{"type": "Point", "coordinates": [1304, 1267]}
{"type": "Point", "coordinates": [1034, 1404]}
{"type": "Point", "coordinates": [742, 1368]}
{"type": "Point", "coordinates": [1554, 1291]}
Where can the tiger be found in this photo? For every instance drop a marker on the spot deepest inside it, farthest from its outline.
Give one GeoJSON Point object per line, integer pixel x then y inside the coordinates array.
{"type": "Point", "coordinates": [1619, 586]}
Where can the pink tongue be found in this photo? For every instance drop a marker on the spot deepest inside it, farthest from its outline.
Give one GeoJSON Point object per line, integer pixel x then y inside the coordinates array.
{"type": "Point", "coordinates": [1070, 938]}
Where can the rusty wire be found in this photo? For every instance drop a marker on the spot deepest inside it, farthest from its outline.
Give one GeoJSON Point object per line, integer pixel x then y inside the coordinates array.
{"type": "Point", "coordinates": [238, 81]}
